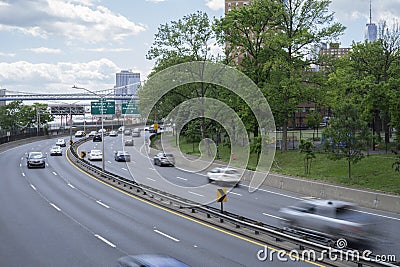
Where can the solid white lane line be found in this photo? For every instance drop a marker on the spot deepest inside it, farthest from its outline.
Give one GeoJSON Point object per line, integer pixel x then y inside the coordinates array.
{"type": "Point", "coordinates": [167, 236]}
{"type": "Point", "coordinates": [195, 194]}
{"type": "Point", "coordinates": [279, 194]}
{"type": "Point", "coordinates": [124, 169]}
{"type": "Point", "coordinates": [55, 173]}
{"type": "Point", "coordinates": [234, 193]}
{"type": "Point", "coordinates": [379, 215]}
{"type": "Point", "coordinates": [150, 179]}
{"type": "Point", "coordinates": [276, 217]}
{"type": "Point", "coordinates": [54, 206]}
{"type": "Point", "coordinates": [181, 178]}
{"type": "Point", "coordinates": [70, 185]}
{"type": "Point", "coordinates": [34, 188]}
{"type": "Point", "coordinates": [105, 241]}
{"type": "Point", "coordinates": [23, 174]}
{"type": "Point", "coordinates": [101, 203]}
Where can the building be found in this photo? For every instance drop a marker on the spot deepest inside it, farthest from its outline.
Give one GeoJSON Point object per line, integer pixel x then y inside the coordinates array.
{"type": "Point", "coordinates": [126, 83]}
{"type": "Point", "coordinates": [230, 4]}
{"type": "Point", "coordinates": [2, 93]}
{"type": "Point", "coordinates": [371, 30]}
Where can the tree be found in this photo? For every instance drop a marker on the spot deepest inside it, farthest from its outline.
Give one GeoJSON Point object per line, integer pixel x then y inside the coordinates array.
{"type": "Point", "coordinates": [303, 23]}
{"type": "Point", "coordinates": [185, 40]}
{"type": "Point", "coordinates": [347, 135]}
{"type": "Point", "coordinates": [306, 147]}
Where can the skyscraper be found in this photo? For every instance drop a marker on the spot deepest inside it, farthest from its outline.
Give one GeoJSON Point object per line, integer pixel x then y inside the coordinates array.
{"type": "Point", "coordinates": [126, 83]}
{"type": "Point", "coordinates": [371, 30]}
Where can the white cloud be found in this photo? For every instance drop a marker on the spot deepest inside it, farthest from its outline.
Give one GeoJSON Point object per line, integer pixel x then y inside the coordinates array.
{"type": "Point", "coordinates": [7, 54]}
{"type": "Point", "coordinates": [74, 20]}
{"type": "Point", "coordinates": [59, 77]}
{"type": "Point", "coordinates": [215, 4]}
{"type": "Point", "coordinates": [103, 49]}
{"type": "Point", "coordinates": [45, 50]}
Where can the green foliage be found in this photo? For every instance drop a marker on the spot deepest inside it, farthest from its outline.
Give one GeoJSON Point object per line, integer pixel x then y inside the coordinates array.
{"type": "Point", "coordinates": [306, 148]}
{"type": "Point", "coordinates": [348, 135]}
{"type": "Point", "coordinates": [15, 115]}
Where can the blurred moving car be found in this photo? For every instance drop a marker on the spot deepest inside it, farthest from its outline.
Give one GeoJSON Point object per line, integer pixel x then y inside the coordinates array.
{"type": "Point", "coordinates": [333, 219]}
{"type": "Point", "coordinates": [97, 138]}
{"type": "Point", "coordinates": [56, 151]}
{"type": "Point", "coordinates": [122, 156]}
{"type": "Point", "coordinates": [162, 159]}
{"type": "Point", "coordinates": [61, 143]}
{"type": "Point", "coordinates": [149, 260]}
{"type": "Point", "coordinates": [80, 134]}
{"type": "Point", "coordinates": [104, 131]}
{"type": "Point", "coordinates": [113, 133]}
{"type": "Point", "coordinates": [95, 154]}
{"type": "Point", "coordinates": [127, 132]}
{"type": "Point", "coordinates": [92, 133]}
{"type": "Point", "coordinates": [224, 175]}
{"type": "Point", "coordinates": [35, 159]}
{"type": "Point", "coordinates": [129, 142]}
{"type": "Point", "coordinates": [136, 132]}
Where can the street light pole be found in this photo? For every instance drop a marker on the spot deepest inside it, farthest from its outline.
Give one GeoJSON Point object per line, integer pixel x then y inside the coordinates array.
{"type": "Point", "coordinates": [102, 135]}
{"type": "Point", "coordinates": [103, 167]}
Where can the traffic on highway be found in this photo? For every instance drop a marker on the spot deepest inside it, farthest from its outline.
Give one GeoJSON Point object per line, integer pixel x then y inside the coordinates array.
{"type": "Point", "coordinates": [69, 218]}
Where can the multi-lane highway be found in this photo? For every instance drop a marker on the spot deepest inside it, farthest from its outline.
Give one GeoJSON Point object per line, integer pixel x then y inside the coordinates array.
{"type": "Point", "coordinates": [60, 216]}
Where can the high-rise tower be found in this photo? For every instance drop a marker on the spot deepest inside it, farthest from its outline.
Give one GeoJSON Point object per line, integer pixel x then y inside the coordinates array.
{"type": "Point", "coordinates": [371, 29]}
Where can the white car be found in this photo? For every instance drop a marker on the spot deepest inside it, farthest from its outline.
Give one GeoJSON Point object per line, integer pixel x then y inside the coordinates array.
{"type": "Point", "coordinates": [224, 175]}
{"type": "Point", "coordinates": [61, 142]}
{"type": "Point", "coordinates": [95, 154]}
{"type": "Point", "coordinates": [113, 133]}
{"type": "Point", "coordinates": [56, 151]}
{"type": "Point", "coordinates": [92, 133]}
{"type": "Point", "coordinates": [80, 134]}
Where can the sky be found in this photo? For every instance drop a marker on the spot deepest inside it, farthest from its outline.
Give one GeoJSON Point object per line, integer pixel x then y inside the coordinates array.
{"type": "Point", "coordinates": [47, 46]}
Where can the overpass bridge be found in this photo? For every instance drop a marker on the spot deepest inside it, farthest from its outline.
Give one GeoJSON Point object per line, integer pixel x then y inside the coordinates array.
{"type": "Point", "coordinates": [109, 94]}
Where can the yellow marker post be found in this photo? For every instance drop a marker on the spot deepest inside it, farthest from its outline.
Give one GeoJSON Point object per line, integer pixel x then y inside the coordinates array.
{"type": "Point", "coordinates": [221, 197]}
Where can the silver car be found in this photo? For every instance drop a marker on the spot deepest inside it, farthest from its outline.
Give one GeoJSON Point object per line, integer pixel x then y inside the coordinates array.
{"type": "Point", "coordinates": [35, 160]}
{"type": "Point", "coordinates": [162, 159]}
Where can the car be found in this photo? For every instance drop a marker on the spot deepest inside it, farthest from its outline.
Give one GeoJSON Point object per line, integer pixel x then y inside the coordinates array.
{"type": "Point", "coordinates": [136, 132]}
{"type": "Point", "coordinates": [35, 159]}
{"type": "Point", "coordinates": [127, 132]}
{"type": "Point", "coordinates": [129, 142]}
{"type": "Point", "coordinates": [121, 129]}
{"type": "Point", "coordinates": [162, 159]}
{"type": "Point", "coordinates": [61, 143]}
{"type": "Point", "coordinates": [80, 134]}
{"type": "Point", "coordinates": [149, 260]}
{"type": "Point", "coordinates": [113, 133]}
{"type": "Point", "coordinates": [104, 131]}
{"type": "Point", "coordinates": [92, 133]}
{"type": "Point", "coordinates": [95, 154]}
{"type": "Point", "coordinates": [56, 151]}
{"type": "Point", "coordinates": [224, 175]}
{"type": "Point", "coordinates": [97, 138]}
{"type": "Point", "coordinates": [122, 156]}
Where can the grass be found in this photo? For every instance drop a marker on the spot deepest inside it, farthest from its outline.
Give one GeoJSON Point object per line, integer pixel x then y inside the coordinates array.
{"type": "Point", "coordinates": [373, 172]}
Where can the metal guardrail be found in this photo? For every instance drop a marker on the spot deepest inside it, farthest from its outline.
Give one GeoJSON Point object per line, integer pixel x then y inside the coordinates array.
{"type": "Point", "coordinates": [256, 230]}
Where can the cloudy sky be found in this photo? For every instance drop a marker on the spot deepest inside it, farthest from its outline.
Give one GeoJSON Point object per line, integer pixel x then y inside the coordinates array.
{"type": "Point", "coordinates": [51, 45]}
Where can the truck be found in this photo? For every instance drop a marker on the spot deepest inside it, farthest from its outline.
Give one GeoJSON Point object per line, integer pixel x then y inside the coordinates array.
{"type": "Point", "coordinates": [332, 219]}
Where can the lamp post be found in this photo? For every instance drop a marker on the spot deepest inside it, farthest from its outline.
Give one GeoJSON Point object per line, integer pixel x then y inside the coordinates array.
{"type": "Point", "coordinates": [101, 97]}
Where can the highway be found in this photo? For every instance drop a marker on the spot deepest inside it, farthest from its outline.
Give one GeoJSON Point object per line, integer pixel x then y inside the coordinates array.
{"type": "Point", "coordinates": [60, 216]}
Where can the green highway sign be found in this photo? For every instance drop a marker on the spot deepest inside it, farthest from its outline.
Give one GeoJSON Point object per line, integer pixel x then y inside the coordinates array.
{"type": "Point", "coordinates": [130, 108]}
{"type": "Point", "coordinates": [102, 107]}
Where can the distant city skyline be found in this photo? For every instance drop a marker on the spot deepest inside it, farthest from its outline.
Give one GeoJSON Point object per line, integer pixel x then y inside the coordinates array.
{"type": "Point", "coordinates": [48, 46]}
